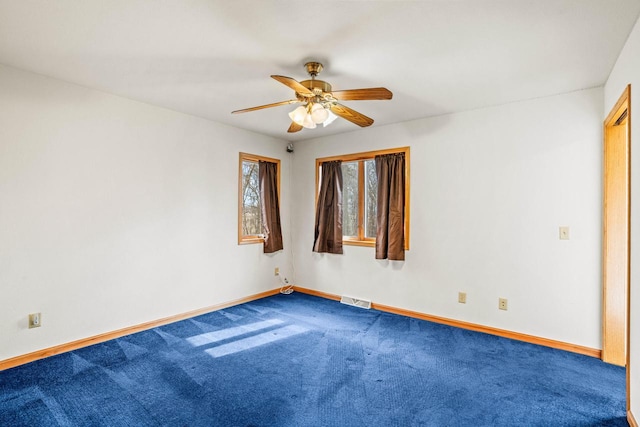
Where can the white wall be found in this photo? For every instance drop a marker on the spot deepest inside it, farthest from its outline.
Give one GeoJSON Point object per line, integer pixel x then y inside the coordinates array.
{"type": "Point", "coordinates": [489, 189]}
{"type": "Point", "coordinates": [114, 212]}
{"type": "Point", "coordinates": [627, 71]}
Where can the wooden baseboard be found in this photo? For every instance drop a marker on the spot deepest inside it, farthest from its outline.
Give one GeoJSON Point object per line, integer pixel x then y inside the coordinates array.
{"type": "Point", "coordinates": [631, 419]}
{"type": "Point", "coordinates": [470, 326]}
{"type": "Point", "coordinates": [84, 342]}
{"type": "Point", "coordinates": [316, 293]}
{"type": "Point", "coordinates": [74, 345]}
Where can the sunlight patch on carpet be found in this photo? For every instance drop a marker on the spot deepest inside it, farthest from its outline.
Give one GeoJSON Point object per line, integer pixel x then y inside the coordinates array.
{"type": "Point", "coordinates": [256, 341]}
{"type": "Point", "coordinates": [224, 334]}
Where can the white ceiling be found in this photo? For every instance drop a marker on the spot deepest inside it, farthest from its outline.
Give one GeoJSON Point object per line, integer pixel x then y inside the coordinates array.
{"type": "Point", "coordinates": [209, 57]}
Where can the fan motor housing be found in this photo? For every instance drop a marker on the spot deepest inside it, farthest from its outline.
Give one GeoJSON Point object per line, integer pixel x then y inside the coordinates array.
{"type": "Point", "coordinates": [316, 84]}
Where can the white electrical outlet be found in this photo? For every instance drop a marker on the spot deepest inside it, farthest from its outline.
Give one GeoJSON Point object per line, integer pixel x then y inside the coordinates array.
{"type": "Point", "coordinates": [35, 320]}
{"type": "Point", "coordinates": [502, 303]}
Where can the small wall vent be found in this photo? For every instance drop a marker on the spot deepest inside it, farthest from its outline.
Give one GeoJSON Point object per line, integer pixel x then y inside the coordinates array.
{"type": "Point", "coordinates": [362, 303]}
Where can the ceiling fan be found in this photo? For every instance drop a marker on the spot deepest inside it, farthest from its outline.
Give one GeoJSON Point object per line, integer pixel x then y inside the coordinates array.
{"type": "Point", "coordinates": [320, 103]}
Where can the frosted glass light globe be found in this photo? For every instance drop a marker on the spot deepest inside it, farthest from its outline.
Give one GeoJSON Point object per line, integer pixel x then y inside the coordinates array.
{"type": "Point", "coordinates": [298, 115]}
{"type": "Point", "coordinates": [318, 113]}
{"type": "Point", "coordinates": [308, 122]}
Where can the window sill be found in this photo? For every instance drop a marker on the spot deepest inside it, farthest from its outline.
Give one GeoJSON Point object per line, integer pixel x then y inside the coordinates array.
{"type": "Point", "coordinates": [250, 240]}
{"type": "Point", "coordinates": [366, 243]}
{"type": "Point", "coordinates": [355, 242]}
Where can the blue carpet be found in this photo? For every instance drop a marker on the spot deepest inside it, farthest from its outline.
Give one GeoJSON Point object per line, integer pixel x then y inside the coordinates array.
{"type": "Point", "coordinates": [299, 360]}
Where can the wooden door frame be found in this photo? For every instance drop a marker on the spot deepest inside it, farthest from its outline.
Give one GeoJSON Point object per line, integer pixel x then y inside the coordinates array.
{"type": "Point", "coordinates": [623, 104]}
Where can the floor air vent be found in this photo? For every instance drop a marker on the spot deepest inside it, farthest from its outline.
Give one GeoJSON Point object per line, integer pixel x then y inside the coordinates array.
{"type": "Point", "coordinates": [355, 302]}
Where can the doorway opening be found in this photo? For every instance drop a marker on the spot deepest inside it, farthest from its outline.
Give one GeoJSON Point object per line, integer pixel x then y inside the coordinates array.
{"type": "Point", "coordinates": [616, 233]}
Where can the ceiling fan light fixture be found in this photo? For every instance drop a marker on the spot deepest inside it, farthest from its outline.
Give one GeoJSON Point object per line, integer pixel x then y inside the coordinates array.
{"type": "Point", "coordinates": [298, 115]}
{"type": "Point", "coordinates": [318, 113]}
{"type": "Point", "coordinates": [308, 122]}
{"type": "Point", "coordinates": [330, 118]}
{"type": "Point", "coordinates": [320, 103]}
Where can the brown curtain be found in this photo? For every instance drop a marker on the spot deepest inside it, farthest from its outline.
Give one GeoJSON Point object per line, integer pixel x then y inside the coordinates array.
{"type": "Point", "coordinates": [328, 233]}
{"type": "Point", "coordinates": [270, 206]}
{"type": "Point", "coordinates": [391, 184]}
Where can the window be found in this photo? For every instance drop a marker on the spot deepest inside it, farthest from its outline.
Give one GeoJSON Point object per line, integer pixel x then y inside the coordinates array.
{"type": "Point", "coordinates": [360, 194]}
{"type": "Point", "coordinates": [359, 190]}
{"type": "Point", "coordinates": [250, 227]}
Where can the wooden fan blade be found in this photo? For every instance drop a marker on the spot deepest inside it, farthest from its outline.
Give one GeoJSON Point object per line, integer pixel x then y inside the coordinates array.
{"type": "Point", "coordinates": [352, 115]}
{"type": "Point", "coordinates": [362, 94]}
{"type": "Point", "coordinates": [275, 104]}
{"type": "Point", "coordinates": [295, 85]}
{"type": "Point", "coordinates": [294, 127]}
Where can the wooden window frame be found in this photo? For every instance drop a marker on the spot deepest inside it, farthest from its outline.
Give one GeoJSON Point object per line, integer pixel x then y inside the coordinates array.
{"type": "Point", "coordinates": [361, 240]}
{"type": "Point", "coordinates": [253, 238]}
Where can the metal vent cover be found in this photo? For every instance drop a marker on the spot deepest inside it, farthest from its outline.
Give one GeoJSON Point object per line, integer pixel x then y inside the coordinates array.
{"type": "Point", "coordinates": [362, 303]}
